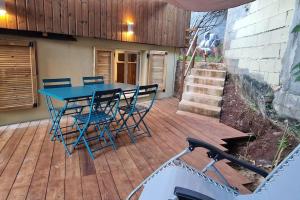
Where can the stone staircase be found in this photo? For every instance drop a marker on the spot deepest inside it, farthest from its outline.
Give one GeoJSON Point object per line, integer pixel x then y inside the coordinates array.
{"type": "Point", "coordinates": [203, 90]}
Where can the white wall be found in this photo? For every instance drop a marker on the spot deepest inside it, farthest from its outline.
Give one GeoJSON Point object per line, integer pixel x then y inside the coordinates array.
{"type": "Point", "coordinates": [256, 39]}
{"type": "Point", "coordinates": [74, 59]}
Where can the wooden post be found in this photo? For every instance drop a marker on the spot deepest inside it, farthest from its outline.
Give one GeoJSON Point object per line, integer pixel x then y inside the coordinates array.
{"type": "Point", "coordinates": [182, 77]}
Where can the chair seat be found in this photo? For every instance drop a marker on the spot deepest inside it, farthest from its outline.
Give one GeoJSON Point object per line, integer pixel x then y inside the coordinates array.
{"type": "Point", "coordinates": [178, 174]}
{"type": "Point", "coordinates": [96, 117]}
{"type": "Point", "coordinates": [138, 107]}
{"type": "Point", "coordinates": [73, 106]}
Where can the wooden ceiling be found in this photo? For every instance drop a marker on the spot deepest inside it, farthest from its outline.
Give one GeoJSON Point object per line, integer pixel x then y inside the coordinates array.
{"type": "Point", "coordinates": [155, 21]}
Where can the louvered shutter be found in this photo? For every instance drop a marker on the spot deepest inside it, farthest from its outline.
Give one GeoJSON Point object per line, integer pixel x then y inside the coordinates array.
{"type": "Point", "coordinates": [103, 64]}
{"type": "Point", "coordinates": [18, 80]}
{"type": "Point", "coordinates": [157, 69]}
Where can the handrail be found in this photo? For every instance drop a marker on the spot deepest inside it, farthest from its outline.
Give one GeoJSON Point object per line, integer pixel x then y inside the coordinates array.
{"type": "Point", "coordinates": [194, 39]}
{"type": "Point", "coordinates": [190, 64]}
{"type": "Point", "coordinates": [183, 75]}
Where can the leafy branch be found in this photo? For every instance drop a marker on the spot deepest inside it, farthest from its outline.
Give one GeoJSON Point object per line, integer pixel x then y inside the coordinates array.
{"type": "Point", "coordinates": [296, 29]}
{"type": "Point", "coordinates": [296, 68]}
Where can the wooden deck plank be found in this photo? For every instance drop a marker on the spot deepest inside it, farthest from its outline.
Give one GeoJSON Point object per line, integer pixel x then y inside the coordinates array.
{"type": "Point", "coordinates": [106, 182]}
{"type": "Point", "coordinates": [192, 128]}
{"type": "Point", "coordinates": [119, 175]}
{"type": "Point", "coordinates": [73, 181]}
{"type": "Point", "coordinates": [55, 189]}
{"type": "Point", "coordinates": [6, 134]}
{"type": "Point", "coordinates": [21, 185]}
{"type": "Point", "coordinates": [90, 187]}
{"type": "Point", "coordinates": [2, 129]}
{"type": "Point", "coordinates": [35, 168]}
{"type": "Point", "coordinates": [11, 146]}
{"type": "Point", "coordinates": [39, 183]}
{"type": "Point", "coordinates": [15, 162]}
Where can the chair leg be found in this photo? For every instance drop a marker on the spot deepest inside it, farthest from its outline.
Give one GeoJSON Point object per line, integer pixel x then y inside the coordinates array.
{"type": "Point", "coordinates": [82, 137]}
{"type": "Point", "coordinates": [100, 135]}
{"type": "Point", "coordinates": [135, 122]}
{"type": "Point", "coordinates": [64, 143]}
{"type": "Point", "coordinates": [148, 131]}
{"type": "Point", "coordinates": [142, 120]}
{"type": "Point", "coordinates": [111, 139]}
{"type": "Point", "coordinates": [130, 134]}
{"type": "Point", "coordinates": [88, 147]}
{"type": "Point", "coordinates": [126, 125]}
{"type": "Point", "coordinates": [55, 126]}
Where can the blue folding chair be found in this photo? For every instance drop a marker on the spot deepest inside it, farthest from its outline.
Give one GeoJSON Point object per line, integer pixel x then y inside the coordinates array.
{"type": "Point", "coordinates": [137, 111]}
{"type": "Point", "coordinates": [103, 110]}
{"type": "Point", "coordinates": [56, 112]}
{"type": "Point", "coordinates": [91, 80]}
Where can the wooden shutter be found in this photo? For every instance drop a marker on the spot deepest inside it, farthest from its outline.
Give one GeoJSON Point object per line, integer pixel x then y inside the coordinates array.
{"type": "Point", "coordinates": [157, 69]}
{"type": "Point", "coordinates": [18, 78]}
{"type": "Point", "coordinates": [103, 64]}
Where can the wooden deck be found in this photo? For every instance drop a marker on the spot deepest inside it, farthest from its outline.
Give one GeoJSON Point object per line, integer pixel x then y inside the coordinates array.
{"type": "Point", "coordinates": [33, 167]}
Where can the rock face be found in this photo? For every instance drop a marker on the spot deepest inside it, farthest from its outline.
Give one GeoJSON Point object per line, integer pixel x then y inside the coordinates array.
{"type": "Point", "coordinates": [287, 98]}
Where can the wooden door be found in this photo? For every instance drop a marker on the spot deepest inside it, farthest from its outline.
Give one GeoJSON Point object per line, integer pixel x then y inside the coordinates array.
{"type": "Point", "coordinates": [157, 69]}
{"type": "Point", "coordinates": [103, 64]}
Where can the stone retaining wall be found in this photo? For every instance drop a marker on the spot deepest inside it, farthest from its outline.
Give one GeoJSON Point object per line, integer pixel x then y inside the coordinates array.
{"type": "Point", "coordinates": [256, 38]}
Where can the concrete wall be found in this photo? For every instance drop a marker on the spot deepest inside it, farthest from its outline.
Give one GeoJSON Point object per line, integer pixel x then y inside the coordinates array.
{"type": "Point", "coordinates": [75, 59]}
{"type": "Point", "coordinates": [287, 97]}
{"type": "Point", "coordinates": [256, 38]}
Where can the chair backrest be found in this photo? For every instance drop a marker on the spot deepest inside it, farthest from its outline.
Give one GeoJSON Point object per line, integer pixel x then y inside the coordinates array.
{"type": "Point", "coordinates": [106, 101]}
{"type": "Point", "coordinates": [133, 97]}
{"type": "Point", "coordinates": [282, 183]}
{"type": "Point", "coordinates": [91, 80]}
{"type": "Point", "coordinates": [57, 82]}
{"type": "Point", "coordinates": [148, 90]}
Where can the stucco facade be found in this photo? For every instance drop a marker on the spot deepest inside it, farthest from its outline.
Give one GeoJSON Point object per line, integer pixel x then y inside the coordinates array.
{"type": "Point", "coordinates": [75, 59]}
{"type": "Point", "coordinates": [256, 38]}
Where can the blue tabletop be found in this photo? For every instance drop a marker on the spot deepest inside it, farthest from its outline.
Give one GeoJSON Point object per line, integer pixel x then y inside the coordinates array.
{"type": "Point", "coordinates": [66, 93]}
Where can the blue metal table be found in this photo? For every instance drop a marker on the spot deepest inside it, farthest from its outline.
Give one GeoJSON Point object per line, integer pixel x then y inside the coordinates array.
{"type": "Point", "coordinates": [67, 93]}
{"type": "Point", "coordinates": [72, 94]}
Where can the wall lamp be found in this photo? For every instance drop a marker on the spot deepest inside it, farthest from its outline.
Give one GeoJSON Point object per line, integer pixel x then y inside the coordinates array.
{"type": "Point", "coordinates": [2, 8]}
{"type": "Point", "coordinates": [130, 27]}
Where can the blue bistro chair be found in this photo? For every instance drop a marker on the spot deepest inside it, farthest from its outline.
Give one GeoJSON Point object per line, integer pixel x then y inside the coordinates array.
{"type": "Point", "coordinates": [91, 80]}
{"type": "Point", "coordinates": [54, 112]}
{"type": "Point", "coordinates": [102, 112]}
{"type": "Point", "coordinates": [175, 179]}
{"type": "Point", "coordinates": [137, 111]}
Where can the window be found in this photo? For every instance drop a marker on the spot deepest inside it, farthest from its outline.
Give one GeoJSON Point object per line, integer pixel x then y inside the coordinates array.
{"type": "Point", "coordinates": [126, 67]}
{"type": "Point", "coordinates": [103, 64]}
{"type": "Point", "coordinates": [18, 77]}
{"type": "Point", "coordinates": [157, 69]}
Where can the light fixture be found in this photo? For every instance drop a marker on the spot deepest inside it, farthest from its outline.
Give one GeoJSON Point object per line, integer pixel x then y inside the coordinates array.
{"type": "Point", "coordinates": [130, 27]}
{"type": "Point", "coordinates": [2, 8]}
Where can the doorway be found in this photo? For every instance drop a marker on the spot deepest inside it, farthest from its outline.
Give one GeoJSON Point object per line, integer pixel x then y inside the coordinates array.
{"type": "Point", "coordinates": [126, 67]}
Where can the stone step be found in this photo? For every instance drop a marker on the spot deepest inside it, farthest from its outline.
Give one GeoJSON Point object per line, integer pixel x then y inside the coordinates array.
{"type": "Point", "coordinates": [208, 72]}
{"type": "Point", "coordinates": [205, 80]}
{"type": "Point", "coordinates": [202, 98]}
{"type": "Point", "coordinates": [205, 65]}
{"type": "Point", "coordinates": [198, 108]}
{"type": "Point", "coordinates": [204, 89]}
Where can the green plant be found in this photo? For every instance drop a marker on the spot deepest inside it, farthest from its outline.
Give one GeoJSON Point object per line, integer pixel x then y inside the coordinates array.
{"type": "Point", "coordinates": [283, 143]}
{"type": "Point", "coordinates": [296, 68]}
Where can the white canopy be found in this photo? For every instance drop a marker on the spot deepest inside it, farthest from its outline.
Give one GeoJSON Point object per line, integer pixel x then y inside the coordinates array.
{"type": "Point", "coordinates": [207, 5]}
